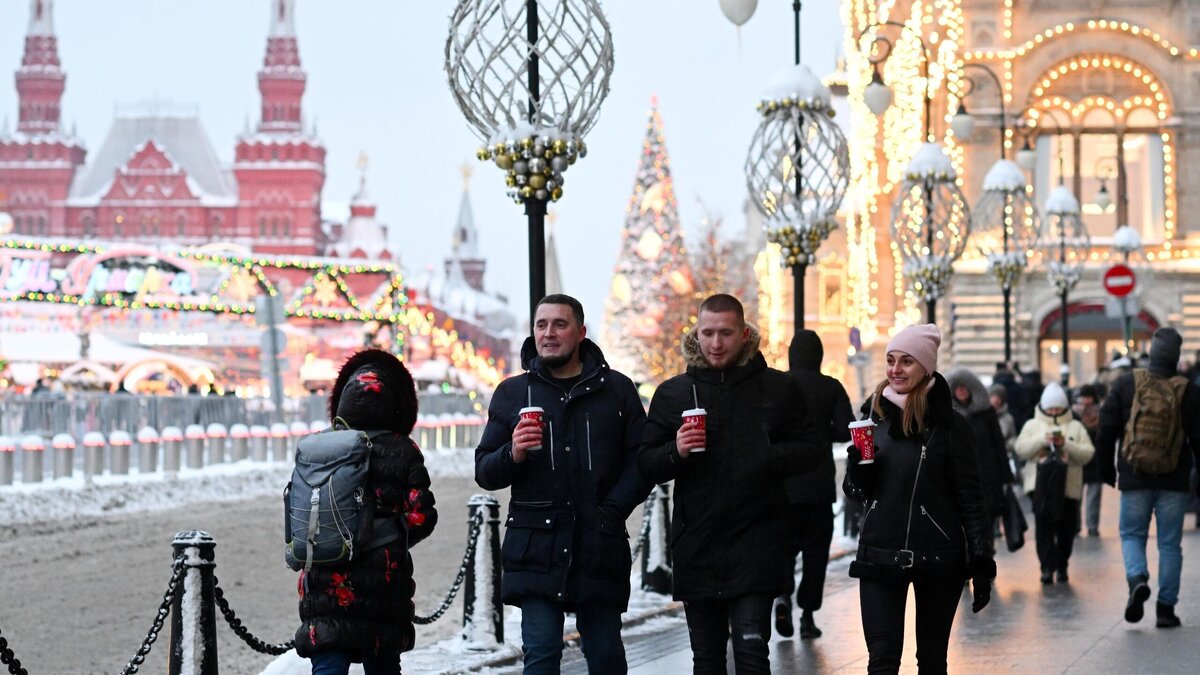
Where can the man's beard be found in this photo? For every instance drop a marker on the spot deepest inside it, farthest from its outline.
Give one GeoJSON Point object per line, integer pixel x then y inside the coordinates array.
{"type": "Point", "coordinates": [554, 362]}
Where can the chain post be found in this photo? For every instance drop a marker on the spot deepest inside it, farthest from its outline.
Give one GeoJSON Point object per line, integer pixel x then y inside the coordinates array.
{"type": "Point", "coordinates": [193, 620]}
{"type": "Point", "coordinates": [483, 576]}
{"type": "Point", "coordinates": [656, 554]}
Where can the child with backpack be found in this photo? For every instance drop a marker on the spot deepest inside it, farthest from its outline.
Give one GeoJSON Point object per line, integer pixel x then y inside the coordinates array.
{"type": "Point", "coordinates": [359, 498]}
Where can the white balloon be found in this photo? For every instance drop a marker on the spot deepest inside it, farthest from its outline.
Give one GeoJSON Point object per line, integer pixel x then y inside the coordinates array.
{"type": "Point", "coordinates": [739, 11]}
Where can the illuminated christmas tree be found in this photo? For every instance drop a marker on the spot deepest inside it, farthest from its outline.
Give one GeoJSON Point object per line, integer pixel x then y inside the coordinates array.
{"type": "Point", "coordinates": [653, 297]}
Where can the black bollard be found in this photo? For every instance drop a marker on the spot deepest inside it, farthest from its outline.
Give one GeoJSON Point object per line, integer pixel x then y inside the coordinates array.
{"type": "Point", "coordinates": [194, 621]}
{"type": "Point", "coordinates": [483, 576]}
{"type": "Point", "coordinates": [656, 553]}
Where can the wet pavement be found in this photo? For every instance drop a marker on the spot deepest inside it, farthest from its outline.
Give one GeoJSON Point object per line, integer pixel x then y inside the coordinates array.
{"type": "Point", "coordinates": [1077, 627]}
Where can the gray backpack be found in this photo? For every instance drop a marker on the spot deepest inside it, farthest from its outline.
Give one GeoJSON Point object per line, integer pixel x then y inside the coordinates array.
{"type": "Point", "coordinates": [329, 507]}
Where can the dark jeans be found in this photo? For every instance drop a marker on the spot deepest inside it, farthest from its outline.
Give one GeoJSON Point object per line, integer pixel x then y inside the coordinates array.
{"type": "Point", "coordinates": [599, 637]}
{"type": "Point", "coordinates": [710, 623]}
{"type": "Point", "coordinates": [882, 604]}
{"type": "Point", "coordinates": [1056, 539]}
{"type": "Point", "coordinates": [338, 663]}
{"type": "Point", "coordinates": [811, 529]}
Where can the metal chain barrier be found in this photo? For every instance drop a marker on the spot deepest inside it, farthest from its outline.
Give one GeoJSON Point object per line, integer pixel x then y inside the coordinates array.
{"type": "Point", "coordinates": [178, 569]}
{"type": "Point", "coordinates": [8, 658]}
{"type": "Point", "coordinates": [257, 644]}
{"type": "Point", "coordinates": [472, 539]}
{"type": "Point", "coordinates": [647, 514]}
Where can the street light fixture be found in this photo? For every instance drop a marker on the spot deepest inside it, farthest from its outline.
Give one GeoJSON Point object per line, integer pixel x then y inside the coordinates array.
{"type": "Point", "coordinates": [530, 87]}
{"type": "Point", "coordinates": [1065, 245]}
{"type": "Point", "coordinates": [798, 168]}
{"type": "Point", "coordinates": [930, 218]}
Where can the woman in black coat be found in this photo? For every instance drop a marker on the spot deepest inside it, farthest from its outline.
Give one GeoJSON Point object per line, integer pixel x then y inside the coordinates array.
{"type": "Point", "coordinates": [925, 524]}
{"type": "Point", "coordinates": [971, 400]}
{"type": "Point", "coordinates": [362, 611]}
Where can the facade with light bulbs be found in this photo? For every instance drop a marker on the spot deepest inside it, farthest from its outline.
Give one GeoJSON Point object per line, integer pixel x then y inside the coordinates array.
{"type": "Point", "coordinates": [1101, 123]}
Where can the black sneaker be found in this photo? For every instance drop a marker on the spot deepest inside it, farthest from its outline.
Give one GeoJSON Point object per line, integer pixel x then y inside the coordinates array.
{"type": "Point", "coordinates": [808, 628]}
{"type": "Point", "coordinates": [1139, 593]}
{"type": "Point", "coordinates": [783, 616]}
{"type": "Point", "coordinates": [1062, 577]}
{"type": "Point", "coordinates": [1166, 617]}
{"type": "Point", "coordinates": [1047, 577]}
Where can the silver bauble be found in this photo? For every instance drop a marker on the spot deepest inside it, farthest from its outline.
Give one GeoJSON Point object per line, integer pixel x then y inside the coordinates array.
{"type": "Point", "coordinates": [537, 165]}
{"type": "Point", "coordinates": [559, 163]}
{"type": "Point", "coordinates": [520, 167]}
{"type": "Point", "coordinates": [542, 194]}
{"type": "Point", "coordinates": [522, 179]}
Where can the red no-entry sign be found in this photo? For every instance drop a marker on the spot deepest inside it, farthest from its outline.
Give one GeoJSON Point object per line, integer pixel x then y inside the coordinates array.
{"type": "Point", "coordinates": [1119, 280]}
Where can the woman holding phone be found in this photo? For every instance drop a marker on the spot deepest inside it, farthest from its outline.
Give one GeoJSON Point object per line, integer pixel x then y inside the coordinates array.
{"type": "Point", "coordinates": [1059, 446]}
{"type": "Point", "coordinates": [925, 522]}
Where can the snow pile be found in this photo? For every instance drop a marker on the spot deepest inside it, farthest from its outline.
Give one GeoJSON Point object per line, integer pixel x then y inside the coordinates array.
{"type": "Point", "coordinates": [1126, 239]}
{"type": "Point", "coordinates": [1004, 176]}
{"type": "Point", "coordinates": [799, 84]}
{"type": "Point", "coordinates": [1062, 203]}
{"type": "Point", "coordinates": [931, 162]}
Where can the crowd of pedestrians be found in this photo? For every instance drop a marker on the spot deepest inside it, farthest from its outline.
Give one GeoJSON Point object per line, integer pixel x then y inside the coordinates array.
{"type": "Point", "coordinates": [935, 465]}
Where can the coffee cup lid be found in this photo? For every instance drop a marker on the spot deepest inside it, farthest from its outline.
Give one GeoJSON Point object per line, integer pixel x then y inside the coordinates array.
{"type": "Point", "coordinates": [862, 423]}
{"type": "Point", "coordinates": [694, 412]}
{"type": "Point", "coordinates": [532, 408]}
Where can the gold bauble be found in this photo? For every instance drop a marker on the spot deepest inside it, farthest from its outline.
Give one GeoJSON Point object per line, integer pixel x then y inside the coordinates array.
{"type": "Point", "coordinates": [499, 149]}
{"type": "Point", "coordinates": [559, 146]}
{"type": "Point", "coordinates": [510, 181]}
{"type": "Point", "coordinates": [537, 181]}
{"type": "Point", "coordinates": [526, 143]}
{"type": "Point", "coordinates": [504, 162]}
{"type": "Point", "coordinates": [526, 192]}
{"type": "Point", "coordinates": [482, 154]}
{"type": "Point", "coordinates": [556, 194]}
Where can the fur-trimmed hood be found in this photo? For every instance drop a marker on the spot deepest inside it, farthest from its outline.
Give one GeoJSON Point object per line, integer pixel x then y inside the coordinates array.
{"type": "Point", "coordinates": [374, 390]}
{"type": "Point", "coordinates": [694, 358]}
{"type": "Point", "coordinates": [980, 400]}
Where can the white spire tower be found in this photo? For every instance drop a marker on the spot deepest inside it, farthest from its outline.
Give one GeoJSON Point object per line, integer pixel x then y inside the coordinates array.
{"type": "Point", "coordinates": [283, 18]}
{"type": "Point", "coordinates": [41, 17]}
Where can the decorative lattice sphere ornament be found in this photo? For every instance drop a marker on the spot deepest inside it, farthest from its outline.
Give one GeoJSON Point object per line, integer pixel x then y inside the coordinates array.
{"type": "Point", "coordinates": [930, 222]}
{"type": "Point", "coordinates": [798, 166]}
{"type": "Point", "coordinates": [530, 104]}
{"type": "Point", "coordinates": [1005, 223]}
{"type": "Point", "coordinates": [1065, 241]}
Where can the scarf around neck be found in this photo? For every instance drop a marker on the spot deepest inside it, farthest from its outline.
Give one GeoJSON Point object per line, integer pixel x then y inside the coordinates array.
{"type": "Point", "coordinates": [900, 399]}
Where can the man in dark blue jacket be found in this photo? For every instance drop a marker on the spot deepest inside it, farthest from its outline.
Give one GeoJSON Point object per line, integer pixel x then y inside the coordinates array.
{"type": "Point", "coordinates": [574, 480]}
{"type": "Point", "coordinates": [1163, 495]}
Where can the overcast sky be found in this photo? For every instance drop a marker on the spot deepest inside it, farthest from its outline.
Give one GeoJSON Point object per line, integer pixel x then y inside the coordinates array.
{"type": "Point", "coordinates": [376, 84]}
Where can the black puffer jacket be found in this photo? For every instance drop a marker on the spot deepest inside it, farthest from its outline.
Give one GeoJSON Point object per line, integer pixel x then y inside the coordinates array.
{"type": "Point", "coordinates": [990, 449]}
{"type": "Point", "coordinates": [921, 495]}
{"type": "Point", "coordinates": [565, 536]}
{"type": "Point", "coordinates": [728, 531]}
{"type": "Point", "coordinates": [831, 413]}
{"type": "Point", "coordinates": [1114, 415]}
{"type": "Point", "coordinates": [365, 608]}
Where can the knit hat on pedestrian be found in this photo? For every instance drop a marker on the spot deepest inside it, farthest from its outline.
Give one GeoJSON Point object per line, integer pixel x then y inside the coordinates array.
{"type": "Point", "coordinates": [1164, 351]}
{"type": "Point", "coordinates": [1000, 391]}
{"type": "Point", "coordinates": [1053, 396]}
{"type": "Point", "coordinates": [920, 342]}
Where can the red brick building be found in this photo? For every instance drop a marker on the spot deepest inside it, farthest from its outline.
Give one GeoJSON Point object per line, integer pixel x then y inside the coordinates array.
{"type": "Point", "coordinates": [156, 177]}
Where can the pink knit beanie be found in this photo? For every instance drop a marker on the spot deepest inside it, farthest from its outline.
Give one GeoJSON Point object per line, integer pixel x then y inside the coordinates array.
{"type": "Point", "coordinates": [920, 342]}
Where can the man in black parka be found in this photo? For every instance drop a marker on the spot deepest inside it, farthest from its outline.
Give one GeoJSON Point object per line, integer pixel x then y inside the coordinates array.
{"type": "Point", "coordinates": [565, 546]}
{"type": "Point", "coordinates": [812, 493]}
{"type": "Point", "coordinates": [729, 544]}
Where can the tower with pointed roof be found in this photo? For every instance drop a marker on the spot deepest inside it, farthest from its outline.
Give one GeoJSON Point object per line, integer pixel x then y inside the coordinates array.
{"type": "Point", "coordinates": [652, 297]}
{"type": "Point", "coordinates": [464, 250]}
{"type": "Point", "coordinates": [363, 236]}
{"type": "Point", "coordinates": [280, 166]}
{"type": "Point", "coordinates": [38, 162]}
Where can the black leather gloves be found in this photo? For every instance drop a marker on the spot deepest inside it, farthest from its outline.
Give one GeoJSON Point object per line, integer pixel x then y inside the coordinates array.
{"type": "Point", "coordinates": [861, 478]}
{"type": "Point", "coordinates": [983, 570]}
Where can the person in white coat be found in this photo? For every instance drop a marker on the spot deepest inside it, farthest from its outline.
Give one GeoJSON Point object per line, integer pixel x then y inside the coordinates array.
{"type": "Point", "coordinates": [1054, 435]}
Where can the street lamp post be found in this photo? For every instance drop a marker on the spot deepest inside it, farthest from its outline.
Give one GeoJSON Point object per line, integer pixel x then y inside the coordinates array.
{"type": "Point", "coordinates": [798, 168]}
{"type": "Point", "coordinates": [1065, 246]}
{"type": "Point", "coordinates": [530, 85]}
{"type": "Point", "coordinates": [1126, 242]}
{"type": "Point", "coordinates": [930, 218]}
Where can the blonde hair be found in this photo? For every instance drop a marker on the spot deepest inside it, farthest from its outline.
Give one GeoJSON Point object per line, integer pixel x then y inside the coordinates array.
{"type": "Point", "coordinates": [912, 418]}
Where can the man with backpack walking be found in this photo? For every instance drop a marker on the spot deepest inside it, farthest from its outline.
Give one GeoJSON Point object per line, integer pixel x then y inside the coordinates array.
{"type": "Point", "coordinates": [1150, 412]}
{"type": "Point", "coordinates": [564, 437]}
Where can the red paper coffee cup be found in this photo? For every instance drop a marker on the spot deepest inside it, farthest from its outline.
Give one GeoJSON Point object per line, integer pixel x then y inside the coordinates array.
{"type": "Point", "coordinates": [533, 413]}
{"type": "Point", "coordinates": [862, 433]}
{"type": "Point", "coordinates": [699, 417]}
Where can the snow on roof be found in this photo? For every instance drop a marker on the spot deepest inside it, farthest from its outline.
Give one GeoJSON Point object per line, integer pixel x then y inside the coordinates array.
{"type": "Point", "coordinates": [362, 233]}
{"type": "Point", "coordinates": [181, 137]}
{"type": "Point", "coordinates": [1004, 176]}
{"type": "Point", "coordinates": [1125, 238]}
{"type": "Point", "coordinates": [1061, 202]}
{"type": "Point", "coordinates": [63, 346]}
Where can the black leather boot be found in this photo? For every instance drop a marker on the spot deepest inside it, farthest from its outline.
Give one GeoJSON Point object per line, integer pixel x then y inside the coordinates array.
{"type": "Point", "coordinates": [808, 628]}
{"type": "Point", "coordinates": [1139, 593]}
{"type": "Point", "coordinates": [1166, 617]}
{"type": "Point", "coordinates": [783, 616]}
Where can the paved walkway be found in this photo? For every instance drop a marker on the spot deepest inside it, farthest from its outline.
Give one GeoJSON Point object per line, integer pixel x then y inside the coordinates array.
{"type": "Point", "coordinates": [1064, 628]}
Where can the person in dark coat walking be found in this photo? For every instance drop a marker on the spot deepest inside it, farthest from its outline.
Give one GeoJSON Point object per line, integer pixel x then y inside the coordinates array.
{"type": "Point", "coordinates": [1019, 404]}
{"type": "Point", "coordinates": [926, 523]}
{"type": "Point", "coordinates": [729, 544]}
{"type": "Point", "coordinates": [574, 481]}
{"type": "Point", "coordinates": [971, 400]}
{"type": "Point", "coordinates": [812, 493]}
{"type": "Point", "coordinates": [1087, 408]}
{"type": "Point", "coordinates": [1163, 496]}
{"type": "Point", "coordinates": [362, 611]}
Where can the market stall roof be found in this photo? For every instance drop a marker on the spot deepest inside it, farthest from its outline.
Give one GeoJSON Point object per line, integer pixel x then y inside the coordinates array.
{"type": "Point", "coordinates": [63, 347]}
